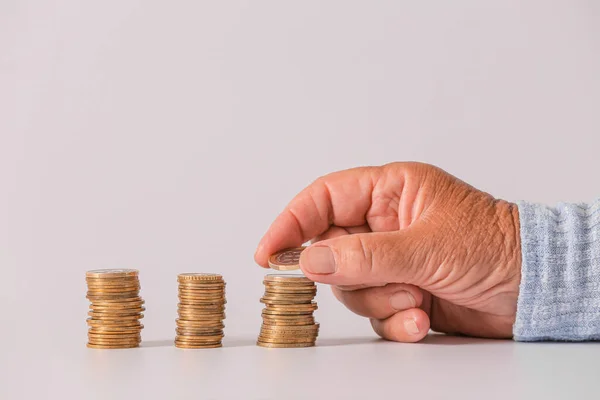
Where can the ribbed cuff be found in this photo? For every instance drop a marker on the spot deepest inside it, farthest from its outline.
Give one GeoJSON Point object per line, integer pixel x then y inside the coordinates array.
{"type": "Point", "coordinates": [559, 296]}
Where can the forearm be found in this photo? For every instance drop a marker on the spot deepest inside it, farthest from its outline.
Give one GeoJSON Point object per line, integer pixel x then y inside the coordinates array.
{"type": "Point", "coordinates": [559, 297]}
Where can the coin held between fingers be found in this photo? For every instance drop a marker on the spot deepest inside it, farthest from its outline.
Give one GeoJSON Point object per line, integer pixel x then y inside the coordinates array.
{"type": "Point", "coordinates": [287, 259]}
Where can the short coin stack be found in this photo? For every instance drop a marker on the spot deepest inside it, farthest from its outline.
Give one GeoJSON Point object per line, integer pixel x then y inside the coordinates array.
{"type": "Point", "coordinates": [201, 311]}
{"type": "Point", "coordinates": [288, 314]}
{"type": "Point", "coordinates": [115, 310]}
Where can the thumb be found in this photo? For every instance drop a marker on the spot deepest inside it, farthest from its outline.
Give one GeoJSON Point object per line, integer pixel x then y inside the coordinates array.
{"type": "Point", "coordinates": [365, 258]}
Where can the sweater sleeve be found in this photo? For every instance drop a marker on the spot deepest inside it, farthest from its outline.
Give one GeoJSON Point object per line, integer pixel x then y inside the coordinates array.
{"type": "Point", "coordinates": [559, 297]}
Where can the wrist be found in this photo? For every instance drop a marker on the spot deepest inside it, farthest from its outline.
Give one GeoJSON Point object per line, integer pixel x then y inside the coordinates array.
{"type": "Point", "coordinates": [509, 226]}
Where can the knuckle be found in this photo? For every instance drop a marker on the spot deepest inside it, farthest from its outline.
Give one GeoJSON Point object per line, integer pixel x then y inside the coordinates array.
{"type": "Point", "coordinates": [358, 259]}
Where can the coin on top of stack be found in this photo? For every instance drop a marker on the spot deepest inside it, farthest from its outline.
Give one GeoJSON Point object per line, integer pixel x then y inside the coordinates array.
{"type": "Point", "coordinates": [288, 319]}
{"type": "Point", "coordinates": [115, 310]}
{"type": "Point", "coordinates": [201, 311]}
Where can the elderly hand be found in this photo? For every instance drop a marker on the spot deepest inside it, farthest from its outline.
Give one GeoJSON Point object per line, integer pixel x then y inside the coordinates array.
{"type": "Point", "coordinates": [409, 246]}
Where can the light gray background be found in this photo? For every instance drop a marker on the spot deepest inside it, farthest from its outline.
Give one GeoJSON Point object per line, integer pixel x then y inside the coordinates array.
{"type": "Point", "coordinates": [166, 136]}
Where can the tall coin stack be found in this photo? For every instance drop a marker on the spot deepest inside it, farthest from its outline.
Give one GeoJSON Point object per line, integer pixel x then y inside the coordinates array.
{"type": "Point", "coordinates": [288, 314]}
{"type": "Point", "coordinates": [201, 311]}
{"type": "Point", "coordinates": [115, 310]}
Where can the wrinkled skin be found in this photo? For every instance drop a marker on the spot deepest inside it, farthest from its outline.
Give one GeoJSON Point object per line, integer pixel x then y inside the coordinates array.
{"type": "Point", "coordinates": [409, 246]}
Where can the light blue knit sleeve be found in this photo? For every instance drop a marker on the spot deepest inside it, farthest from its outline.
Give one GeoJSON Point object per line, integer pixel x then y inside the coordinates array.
{"type": "Point", "coordinates": [559, 297]}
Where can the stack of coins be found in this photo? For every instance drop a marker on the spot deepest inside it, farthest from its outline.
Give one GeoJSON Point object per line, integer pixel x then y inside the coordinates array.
{"type": "Point", "coordinates": [115, 310]}
{"type": "Point", "coordinates": [201, 311]}
{"type": "Point", "coordinates": [288, 314]}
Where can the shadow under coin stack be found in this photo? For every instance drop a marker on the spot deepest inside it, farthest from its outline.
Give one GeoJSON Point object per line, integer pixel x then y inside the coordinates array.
{"type": "Point", "coordinates": [115, 310]}
{"type": "Point", "coordinates": [288, 314]}
{"type": "Point", "coordinates": [201, 311]}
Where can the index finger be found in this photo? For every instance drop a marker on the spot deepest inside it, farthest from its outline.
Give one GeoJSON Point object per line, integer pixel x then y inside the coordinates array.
{"type": "Point", "coordinates": [341, 198]}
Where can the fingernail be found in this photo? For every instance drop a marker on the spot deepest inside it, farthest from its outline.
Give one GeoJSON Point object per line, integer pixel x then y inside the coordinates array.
{"type": "Point", "coordinates": [402, 300]}
{"type": "Point", "coordinates": [318, 260]}
{"type": "Point", "coordinates": [411, 326]}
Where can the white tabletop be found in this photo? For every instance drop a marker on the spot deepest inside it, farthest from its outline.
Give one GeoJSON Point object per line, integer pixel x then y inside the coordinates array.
{"type": "Point", "coordinates": [340, 367]}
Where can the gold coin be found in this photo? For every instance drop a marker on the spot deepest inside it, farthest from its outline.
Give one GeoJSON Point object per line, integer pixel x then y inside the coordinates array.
{"type": "Point", "coordinates": [118, 300]}
{"type": "Point", "coordinates": [114, 342]}
{"type": "Point", "coordinates": [111, 273]}
{"type": "Point", "coordinates": [205, 337]}
{"type": "Point", "coordinates": [288, 282]}
{"type": "Point", "coordinates": [200, 328]}
{"type": "Point", "coordinates": [109, 280]}
{"type": "Point", "coordinates": [114, 345]}
{"type": "Point", "coordinates": [286, 323]}
{"type": "Point", "coordinates": [192, 301]}
{"type": "Point", "coordinates": [97, 296]}
{"type": "Point", "coordinates": [278, 341]}
{"type": "Point", "coordinates": [108, 317]}
{"type": "Point", "coordinates": [198, 331]}
{"type": "Point", "coordinates": [115, 338]}
{"type": "Point", "coordinates": [199, 297]}
{"type": "Point", "coordinates": [204, 308]}
{"type": "Point", "coordinates": [112, 292]}
{"type": "Point", "coordinates": [201, 306]}
{"type": "Point", "coordinates": [188, 346]}
{"type": "Point", "coordinates": [134, 307]}
{"type": "Point", "coordinates": [200, 324]}
{"type": "Point", "coordinates": [290, 291]}
{"type": "Point", "coordinates": [219, 333]}
{"type": "Point", "coordinates": [294, 279]}
{"type": "Point", "coordinates": [202, 294]}
{"type": "Point", "coordinates": [286, 260]}
{"type": "Point", "coordinates": [179, 340]}
{"type": "Point", "coordinates": [201, 311]}
{"type": "Point", "coordinates": [287, 334]}
{"type": "Point", "coordinates": [130, 307]}
{"type": "Point", "coordinates": [209, 309]}
{"type": "Point", "coordinates": [99, 346]}
{"type": "Point", "coordinates": [201, 319]}
{"type": "Point", "coordinates": [202, 302]}
{"type": "Point", "coordinates": [287, 340]}
{"type": "Point", "coordinates": [114, 313]}
{"type": "Point", "coordinates": [120, 336]}
{"type": "Point", "coordinates": [284, 302]}
{"type": "Point", "coordinates": [303, 299]}
{"type": "Point", "coordinates": [289, 308]}
{"type": "Point", "coordinates": [287, 314]}
{"type": "Point", "coordinates": [112, 283]}
{"type": "Point", "coordinates": [110, 289]}
{"type": "Point", "coordinates": [269, 292]}
{"type": "Point", "coordinates": [208, 312]}
{"type": "Point", "coordinates": [312, 327]}
{"type": "Point", "coordinates": [202, 287]}
{"type": "Point", "coordinates": [280, 345]}
{"type": "Point", "coordinates": [292, 307]}
{"type": "Point", "coordinates": [296, 338]}
{"type": "Point", "coordinates": [198, 276]}
{"type": "Point", "coordinates": [289, 295]}
{"type": "Point", "coordinates": [113, 323]}
{"type": "Point", "coordinates": [113, 332]}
